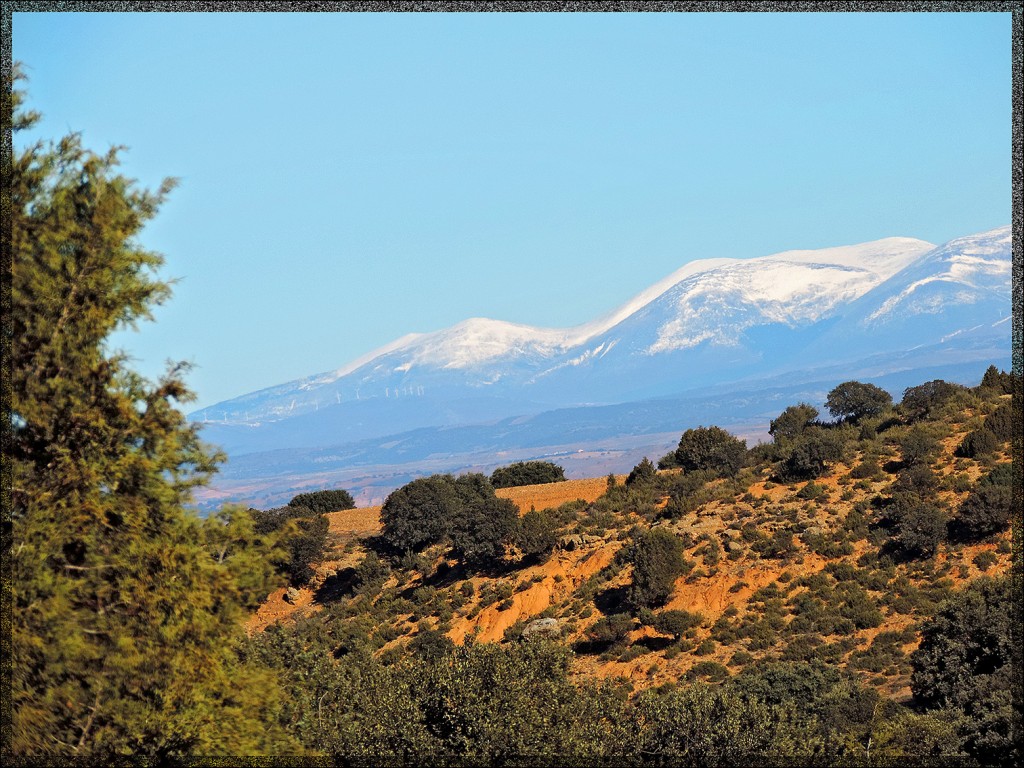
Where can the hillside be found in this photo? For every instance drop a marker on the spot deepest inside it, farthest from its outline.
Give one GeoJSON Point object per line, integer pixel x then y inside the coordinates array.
{"type": "Point", "coordinates": [775, 568]}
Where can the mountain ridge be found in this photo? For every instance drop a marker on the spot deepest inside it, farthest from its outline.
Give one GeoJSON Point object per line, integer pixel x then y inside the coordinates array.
{"type": "Point", "coordinates": [480, 341]}
{"type": "Point", "coordinates": [885, 311]}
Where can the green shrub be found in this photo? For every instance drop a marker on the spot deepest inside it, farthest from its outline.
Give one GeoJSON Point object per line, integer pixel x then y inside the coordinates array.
{"type": "Point", "coordinates": [985, 512]}
{"type": "Point", "coordinates": [675, 622]}
{"type": "Point", "coordinates": [642, 473]}
{"type": "Point", "coordinates": [966, 661]}
{"type": "Point", "coordinates": [482, 529]}
{"type": "Point", "coordinates": [924, 400]}
{"type": "Point", "coordinates": [710, 449]}
{"type": "Point", "coordinates": [854, 400]}
{"type": "Point", "coordinates": [324, 501]}
{"type": "Point", "coordinates": [657, 560]}
{"type": "Point", "coordinates": [792, 422]}
{"type": "Point", "coordinates": [741, 658]}
{"type": "Point", "coordinates": [527, 473]}
{"type": "Point", "coordinates": [812, 454]}
{"type": "Point", "coordinates": [918, 445]}
{"type": "Point", "coordinates": [813, 490]}
{"type": "Point", "coordinates": [1000, 423]}
{"type": "Point", "coordinates": [303, 536]}
{"type": "Point", "coordinates": [918, 526]}
{"type": "Point", "coordinates": [711, 670]}
{"type": "Point", "coordinates": [371, 572]}
{"type": "Point", "coordinates": [420, 513]}
{"type": "Point", "coordinates": [611, 630]}
{"type": "Point", "coordinates": [985, 560]}
{"type": "Point", "coordinates": [977, 443]}
{"type": "Point", "coordinates": [706, 647]}
{"type": "Point", "coordinates": [868, 468]}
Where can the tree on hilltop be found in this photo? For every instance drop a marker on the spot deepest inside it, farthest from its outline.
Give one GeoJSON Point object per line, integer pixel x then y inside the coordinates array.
{"type": "Point", "coordinates": [420, 513]}
{"type": "Point", "coordinates": [792, 422]}
{"type": "Point", "coordinates": [527, 473]}
{"type": "Point", "coordinates": [324, 501]}
{"type": "Point", "coordinates": [707, 448]}
{"type": "Point", "coordinates": [854, 401]}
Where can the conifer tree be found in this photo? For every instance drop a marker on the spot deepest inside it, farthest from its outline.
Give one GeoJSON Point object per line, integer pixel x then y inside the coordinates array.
{"type": "Point", "coordinates": [126, 607]}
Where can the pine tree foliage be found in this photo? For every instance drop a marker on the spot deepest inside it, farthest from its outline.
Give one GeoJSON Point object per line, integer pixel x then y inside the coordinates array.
{"type": "Point", "coordinates": [126, 608]}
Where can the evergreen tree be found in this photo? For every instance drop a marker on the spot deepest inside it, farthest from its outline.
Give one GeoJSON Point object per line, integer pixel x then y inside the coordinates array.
{"type": "Point", "coordinates": [657, 560]}
{"type": "Point", "coordinates": [527, 473]}
{"type": "Point", "coordinates": [792, 422]}
{"type": "Point", "coordinates": [324, 501]}
{"type": "Point", "coordinates": [709, 449]}
{"type": "Point", "coordinates": [125, 621]}
{"type": "Point", "coordinates": [854, 400]}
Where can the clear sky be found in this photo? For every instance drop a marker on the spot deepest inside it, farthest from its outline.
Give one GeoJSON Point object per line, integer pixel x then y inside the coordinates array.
{"type": "Point", "coordinates": [350, 178]}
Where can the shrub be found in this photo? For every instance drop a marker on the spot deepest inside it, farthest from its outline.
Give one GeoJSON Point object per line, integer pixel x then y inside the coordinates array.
{"type": "Point", "coordinates": [998, 381]}
{"type": "Point", "coordinates": [431, 645]}
{"type": "Point", "coordinates": [304, 537]}
{"type": "Point", "coordinates": [918, 446]}
{"type": "Point", "coordinates": [1000, 423]}
{"type": "Point", "coordinates": [527, 473]}
{"type": "Point", "coordinates": [977, 443]}
{"type": "Point", "coordinates": [1002, 474]}
{"type": "Point", "coordinates": [867, 468]}
{"type": "Point", "coordinates": [611, 630]}
{"type": "Point", "coordinates": [482, 529]}
{"type": "Point", "coordinates": [918, 526]}
{"type": "Point", "coordinates": [741, 658]}
{"type": "Point", "coordinates": [306, 547]}
{"type": "Point", "coordinates": [918, 480]}
{"type": "Point", "coordinates": [642, 473]}
{"type": "Point", "coordinates": [711, 670]}
{"type": "Point", "coordinates": [792, 422]}
{"type": "Point", "coordinates": [706, 647]}
{"type": "Point", "coordinates": [966, 661]}
{"type": "Point", "coordinates": [853, 401]}
{"type": "Point", "coordinates": [371, 572]}
{"type": "Point", "coordinates": [711, 449]}
{"type": "Point", "coordinates": [269, 520]}
{"type": "Point", "coordinates": [324, 501]}
{"type": "Point", "coordinates": [812, 490]}
{"type": "Point", "coordinates": [675, 623]}
{"type": "Point", "coordinates": [985, 512]}
{"type": "Point", "coordinates": [537, 534]}
{"type": "Point", "coordinates": [657, 560]}
{"type": "Point", "coordinates": [420, 513]}
{"type": "Point", "coordinates": [985, 560]}
{"type": "Point", "coordinates": [779, 544]}
{"type": "Point", "coordinates": [812, 454]}
{"type": "Point", "coordinates": [924, 400]}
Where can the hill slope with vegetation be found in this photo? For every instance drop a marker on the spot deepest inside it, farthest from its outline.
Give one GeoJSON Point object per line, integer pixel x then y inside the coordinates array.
{"type": "Point", "coordinates": [809, 593]}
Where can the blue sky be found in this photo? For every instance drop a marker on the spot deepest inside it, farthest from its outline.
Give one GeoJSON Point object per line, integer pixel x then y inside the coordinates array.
{"type": "Point", "coordinates": [350, 178]}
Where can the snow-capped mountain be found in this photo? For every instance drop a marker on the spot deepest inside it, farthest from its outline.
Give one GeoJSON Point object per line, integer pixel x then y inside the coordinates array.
{"type": "Point", "coordinates": [712, 322]}
{"type": "Point", "coordinates": [957, 296]}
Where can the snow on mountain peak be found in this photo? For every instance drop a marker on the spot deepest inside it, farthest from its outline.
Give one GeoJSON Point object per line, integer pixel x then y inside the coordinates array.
{"type": "Point", "coordinates": [792, 288]}
{"type": "Point", "coordinates": [480, 340]}
{"type": "Point", "coordinates": [966, 270]}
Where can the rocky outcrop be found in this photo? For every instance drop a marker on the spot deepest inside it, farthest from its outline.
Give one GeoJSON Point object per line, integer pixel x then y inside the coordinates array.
{"type": "Point", "coordinates": [541, 627]}
{"type": "Point", "coordinates": [578, 541]}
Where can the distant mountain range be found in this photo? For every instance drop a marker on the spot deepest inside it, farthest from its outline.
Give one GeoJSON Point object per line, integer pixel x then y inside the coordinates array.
{"type": "Point", "coordinates": [886, 308]}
